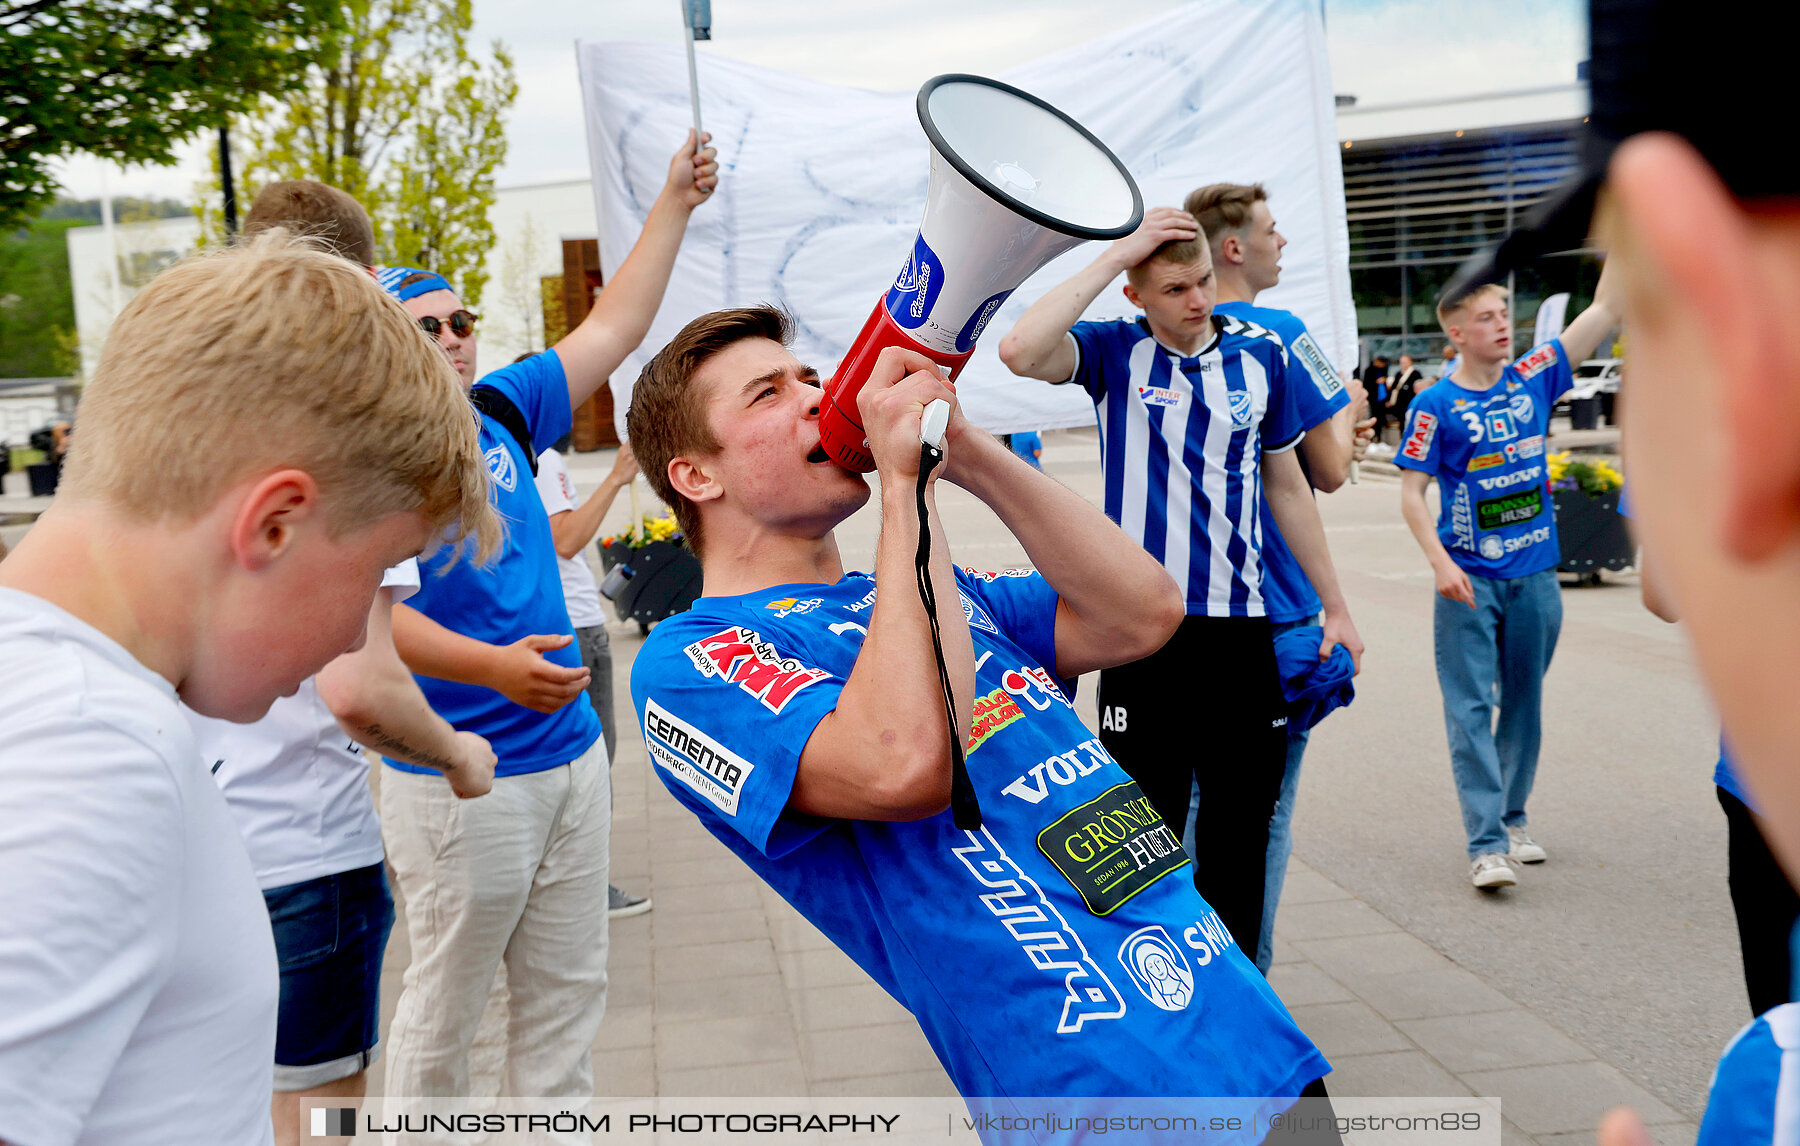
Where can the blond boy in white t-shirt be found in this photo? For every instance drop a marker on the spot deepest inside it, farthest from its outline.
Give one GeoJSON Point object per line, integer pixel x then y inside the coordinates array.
{"type": "Point", "coordinates": [265, 434]}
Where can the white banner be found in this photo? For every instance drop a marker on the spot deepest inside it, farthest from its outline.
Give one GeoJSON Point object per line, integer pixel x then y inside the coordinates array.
{"type": "Point", "coordinates": [1550, 315]}
{"type": "Point", "coordinates": [822, 187]}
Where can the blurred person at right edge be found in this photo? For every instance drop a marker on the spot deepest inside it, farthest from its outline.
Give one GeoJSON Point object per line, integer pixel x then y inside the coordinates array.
{"type": "Point", "coordinates": [1246, 253]}
{"type": "Point", "coordinates": [1702, 229]}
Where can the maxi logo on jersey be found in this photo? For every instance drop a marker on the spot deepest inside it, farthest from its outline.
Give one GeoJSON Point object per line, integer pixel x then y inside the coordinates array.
{"type": "Point", "coordinates": [1041, 932]}
{"type": "Point", "coordinates": [1112, 847]}
{"type": "Point", "coordinates": [704, 765]}
{"type": "Point", "coordinates": [741, 656]}
{"type": "Point", "coordinates": [1534, 363]}
{"type": "Point", "coordinates": [1418, 443]}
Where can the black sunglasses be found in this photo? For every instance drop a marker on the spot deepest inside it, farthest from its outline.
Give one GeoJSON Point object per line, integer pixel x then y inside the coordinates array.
{"type": "Point", "coordinates": [462, 324]}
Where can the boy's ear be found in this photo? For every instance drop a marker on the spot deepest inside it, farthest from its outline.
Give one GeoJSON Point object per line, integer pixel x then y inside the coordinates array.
{"type": "Point", "coordinates": [1231, 249]}
{"type": "Point", "coordinates": [692, 481]}
{"type": "Point", "coordinates": [1707, 266]}
{"type": "Point", "coordinates": [263, 528]}
{"type": "Point", "coordinates": [1131, 296]}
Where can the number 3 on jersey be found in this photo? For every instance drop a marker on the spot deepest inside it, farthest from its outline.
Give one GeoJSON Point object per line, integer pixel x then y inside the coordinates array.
{"type": "Point", "coordinates": [1474, 421]}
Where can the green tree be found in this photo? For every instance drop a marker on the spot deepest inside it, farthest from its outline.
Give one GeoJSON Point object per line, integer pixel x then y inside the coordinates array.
{"type": "Point", "coordinates": [130, 80]}
{"type": "Point", "coordinates": [37, 302]}
{"type": "Point", "coordinates": [398, 113]}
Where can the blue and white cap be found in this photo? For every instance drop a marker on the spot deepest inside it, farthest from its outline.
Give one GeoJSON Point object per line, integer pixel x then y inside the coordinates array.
{"type": "Point", "coordinates": [390, 279]}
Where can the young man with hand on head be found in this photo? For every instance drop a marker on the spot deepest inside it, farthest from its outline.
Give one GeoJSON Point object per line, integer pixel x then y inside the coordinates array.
{"type": "Point", "coordinates": [521, 874]}
{"type": "Point", "coordinates": [1197, 419]}
{"type": "Point", "coordinates": [799, 711]}
{"type": "Point", "coordinates": [297, 784]}
{"type": "Point", "coordinates": [138, 981]}
{"type": "Point", "coordinates": [1493, 550]}
{"type": "Point", "coordinates": [1246, 259]}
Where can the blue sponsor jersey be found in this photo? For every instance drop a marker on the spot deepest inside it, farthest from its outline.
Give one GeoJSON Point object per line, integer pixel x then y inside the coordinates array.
{"type": "Point", "coordinates": [1059, 950]}
{"type": "Point", "coordinates": [1181, 442]}
{"type": "Point", "coordinates": [1486, 448]}
{"type": "Point", "coordinates": [1755, 1090]}
{"type": "Point", "coordinates": [1318, 394]}
{"type": "Point", "coordinates": [516, 595]}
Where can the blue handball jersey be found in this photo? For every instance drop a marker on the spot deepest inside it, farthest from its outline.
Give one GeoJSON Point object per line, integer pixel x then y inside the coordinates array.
{"type": "Point", "coordinates": [1059, 950]}
{"type": "Point", "coordinates": [1486, 449]}
{"type": "Point", "coordinates": [1755, 1090]}
{"type": "Point", "coordinates": [1181, 441]}
{"type": "Point", "coordinates": [518, 594]}
{"type": "Point", "coordinates": [1318, 394]}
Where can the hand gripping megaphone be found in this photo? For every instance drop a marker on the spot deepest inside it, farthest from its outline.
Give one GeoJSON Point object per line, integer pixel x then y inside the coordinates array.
{"type": "Point", "coordinates": [1014, 183]}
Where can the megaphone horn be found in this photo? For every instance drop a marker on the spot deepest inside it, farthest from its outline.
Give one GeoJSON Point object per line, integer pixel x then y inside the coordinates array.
{"type": "Point", "coordinates": [1014, 183]}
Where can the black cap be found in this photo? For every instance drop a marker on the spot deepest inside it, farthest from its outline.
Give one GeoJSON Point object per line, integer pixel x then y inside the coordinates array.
{"type": "Point", "coordinates": [1716, 78]}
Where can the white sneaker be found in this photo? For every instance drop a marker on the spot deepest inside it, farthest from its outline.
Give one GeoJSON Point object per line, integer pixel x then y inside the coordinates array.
{"type": "Point", "coordinates": [1492, 869]}
{"type": "Point", "coordinates": [1523, 848]}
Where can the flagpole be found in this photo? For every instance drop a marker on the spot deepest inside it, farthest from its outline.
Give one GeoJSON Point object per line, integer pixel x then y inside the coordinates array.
{"type": "Point", "coordinates": [690, 14]}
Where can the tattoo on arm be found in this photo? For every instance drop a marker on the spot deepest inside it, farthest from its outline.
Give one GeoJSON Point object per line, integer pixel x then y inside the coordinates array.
{"type": "Point", "coordinates": [388, 743]}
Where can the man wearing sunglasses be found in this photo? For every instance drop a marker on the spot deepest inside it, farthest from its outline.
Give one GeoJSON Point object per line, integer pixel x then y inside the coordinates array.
{"type": "Point", "coordinates": [524, 878]}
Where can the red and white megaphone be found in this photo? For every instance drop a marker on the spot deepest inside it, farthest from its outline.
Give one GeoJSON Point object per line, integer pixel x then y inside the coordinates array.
{"type": "Point", "coordinates": [1014, 183]}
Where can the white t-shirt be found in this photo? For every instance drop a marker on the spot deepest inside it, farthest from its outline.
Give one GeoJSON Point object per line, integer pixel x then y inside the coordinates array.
{"type": "Point", "coordinates": [297, 786]}
{"type": "Point", "coordinates": [579, 591]}
{"type": "Point", "coordinates": [138, 983]}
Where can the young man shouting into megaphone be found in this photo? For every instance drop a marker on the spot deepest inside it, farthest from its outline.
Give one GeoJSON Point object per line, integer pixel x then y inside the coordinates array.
{"type": "Point", "coordinates": [801, 714]}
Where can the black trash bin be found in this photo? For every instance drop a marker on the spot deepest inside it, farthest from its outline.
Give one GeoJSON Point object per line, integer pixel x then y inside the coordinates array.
{"type": "Point", "coordinates": [43, 477]}
{"type": "Point", "coordinates": [1584, 413]}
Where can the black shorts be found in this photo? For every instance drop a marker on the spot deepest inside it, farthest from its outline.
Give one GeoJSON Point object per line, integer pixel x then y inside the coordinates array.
{"type": "Point", "coordinates": [1207, 708]}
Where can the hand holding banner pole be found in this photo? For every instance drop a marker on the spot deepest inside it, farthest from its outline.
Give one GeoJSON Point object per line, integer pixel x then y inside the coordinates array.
{"type": "Point", "coordinates": [696, 22]}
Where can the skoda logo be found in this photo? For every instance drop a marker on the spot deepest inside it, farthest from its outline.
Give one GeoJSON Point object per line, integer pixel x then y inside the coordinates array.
{"type": "Point", "coordinates": [1492, 548]}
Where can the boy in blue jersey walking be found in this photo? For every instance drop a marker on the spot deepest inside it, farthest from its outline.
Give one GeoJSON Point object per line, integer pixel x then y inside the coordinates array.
{"type": "Point", "coordinates": [1493, 551]}
{"type": "Point", "coordinates": [1197, 420]}
{"type": "Point", "coordinates": [1246, 254]}
{"type": "Point", "coordinates": [797, 709]}
{"type": "Point", "coordinates": [520, 875]}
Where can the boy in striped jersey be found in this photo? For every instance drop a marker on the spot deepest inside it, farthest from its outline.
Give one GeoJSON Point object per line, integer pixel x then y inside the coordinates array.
{"type": "Point", "coordinates": [1246, 254]}
{"type": "Point", "coordinates": [1197, 418]}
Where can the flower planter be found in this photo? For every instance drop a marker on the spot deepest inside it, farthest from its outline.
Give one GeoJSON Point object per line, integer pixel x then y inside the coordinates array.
{"type": "Point", "coordinates": [1592, 534]}
{"type": "Point", "coordinates": [665, 580]}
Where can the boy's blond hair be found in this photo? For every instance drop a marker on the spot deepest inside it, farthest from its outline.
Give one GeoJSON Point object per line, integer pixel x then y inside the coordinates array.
{"type": "Point", "coordinates": [269, 355]}
{"type": "Point", "coordinates": [1177, 251]}
{"type": "Point", "coordinates": [1224, 209]}
{"type": "Point", "coordinates": [1451, 305]}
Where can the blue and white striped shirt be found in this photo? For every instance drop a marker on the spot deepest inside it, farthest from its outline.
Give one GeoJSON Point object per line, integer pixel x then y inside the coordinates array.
{"type": "Point", "coordinates": [1755, 1091]}
{"type": "Point", "coordinates": [1181, 442]}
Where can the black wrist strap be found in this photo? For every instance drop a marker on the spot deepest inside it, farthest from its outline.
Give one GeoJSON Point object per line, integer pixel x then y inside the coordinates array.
{"type": "Point", "coordinates": [965, 808]}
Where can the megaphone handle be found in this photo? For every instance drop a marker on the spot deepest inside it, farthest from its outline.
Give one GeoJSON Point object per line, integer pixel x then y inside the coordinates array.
{"type": "Point", "coordinates": [965, 806]}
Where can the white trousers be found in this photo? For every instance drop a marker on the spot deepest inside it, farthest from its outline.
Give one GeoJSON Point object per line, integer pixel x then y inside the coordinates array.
{"type": "Point", "coordinates": [518, 875]}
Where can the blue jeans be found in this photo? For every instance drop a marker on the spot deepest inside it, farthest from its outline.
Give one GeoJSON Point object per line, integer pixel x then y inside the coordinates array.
{"type": "Point", "coordinates": [1495, 655]}
{"type": "Point", "coordinates": [1281, 835]}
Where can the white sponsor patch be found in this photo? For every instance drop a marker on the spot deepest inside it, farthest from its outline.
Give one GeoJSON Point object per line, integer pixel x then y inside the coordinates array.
{"type": "Point", "coordinates": [1159, 396]}
{"type": "Point", "coordinates": [702, 763]}
{"type": "Point", "coordinates": [1316, 364]}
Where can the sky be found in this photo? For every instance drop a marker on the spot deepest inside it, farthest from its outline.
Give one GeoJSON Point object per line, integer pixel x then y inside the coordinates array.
{"type": "Point", "coordinates": [1382, 51]}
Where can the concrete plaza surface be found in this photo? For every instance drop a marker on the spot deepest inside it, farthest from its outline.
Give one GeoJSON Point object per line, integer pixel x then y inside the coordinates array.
{"type": "Point", "coordinates": [1609, 975]}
